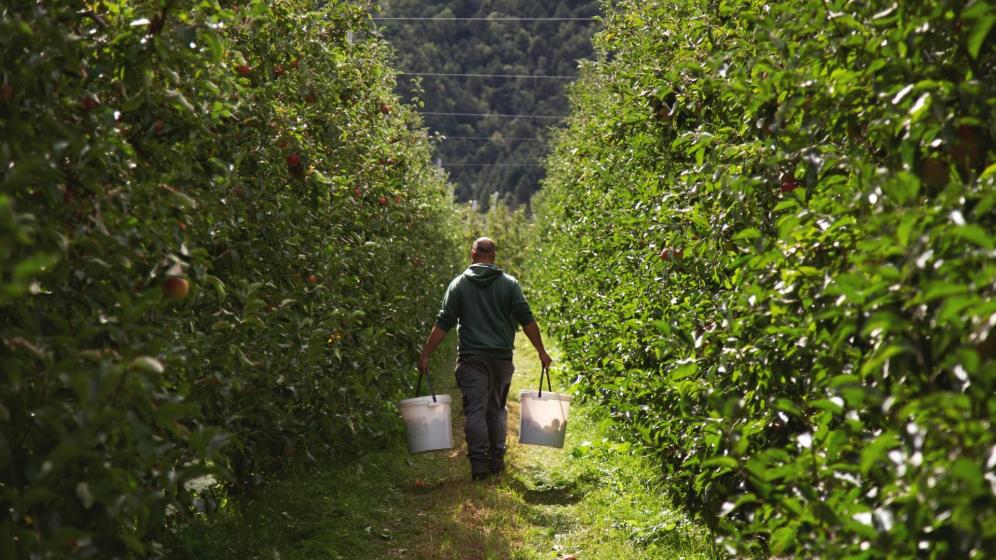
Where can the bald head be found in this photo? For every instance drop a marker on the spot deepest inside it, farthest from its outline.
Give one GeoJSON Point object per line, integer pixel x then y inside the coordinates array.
{"type": "Point", "coordinates": [483, 251]}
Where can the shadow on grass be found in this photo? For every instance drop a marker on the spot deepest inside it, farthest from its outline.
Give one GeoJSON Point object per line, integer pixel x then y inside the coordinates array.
{"type": "Point", "coordinates": [551, 497]}
{"type": "Point", "coordinates": [381, 505]}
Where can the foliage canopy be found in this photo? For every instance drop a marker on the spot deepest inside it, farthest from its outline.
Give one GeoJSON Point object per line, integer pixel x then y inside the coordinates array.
{"type": "Point", "coordinates": [767, 239]}
{"type": "Point", "coordinates": [250, 155]}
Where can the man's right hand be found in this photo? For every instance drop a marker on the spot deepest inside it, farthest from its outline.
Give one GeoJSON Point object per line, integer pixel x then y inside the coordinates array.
{"type": "Point", "coordinates": [435, 337]}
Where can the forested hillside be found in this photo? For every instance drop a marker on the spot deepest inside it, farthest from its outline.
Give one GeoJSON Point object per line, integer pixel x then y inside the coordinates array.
{"type": "Point", "coordinates": [475, 144]}
{"type": "Point", "coordinates": [219, 230]}
{"type": "Point", "coordinates": [767, 246]}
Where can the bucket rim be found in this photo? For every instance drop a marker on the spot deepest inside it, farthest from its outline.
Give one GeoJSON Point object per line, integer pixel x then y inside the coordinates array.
{"type": "Point", "coordinates": [547, 395]}
{"type": "Point", "coordinates": [417, 401]}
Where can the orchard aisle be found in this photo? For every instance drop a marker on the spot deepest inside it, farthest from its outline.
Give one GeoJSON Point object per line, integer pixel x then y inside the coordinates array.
{"type": "Point", "coordinates": [594, 499]}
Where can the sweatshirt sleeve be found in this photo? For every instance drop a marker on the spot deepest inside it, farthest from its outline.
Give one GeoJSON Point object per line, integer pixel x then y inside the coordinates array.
{"type": "Point", "coordinates": [448, 314]}
{"type": "Point", "coordinates": [520, 307]}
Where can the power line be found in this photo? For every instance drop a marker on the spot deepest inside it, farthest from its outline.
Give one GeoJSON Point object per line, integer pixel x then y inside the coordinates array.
{"type": "Point", "coordinates": [492, 165]}
{"type": "Point", "coordinates": [483, 19]}
{"type": "Point", "coordinates": [435, 113]}
{"type": "Point", "coordinates": [531, 76]}
{"type": "Point", "coordinates": [522, 138]}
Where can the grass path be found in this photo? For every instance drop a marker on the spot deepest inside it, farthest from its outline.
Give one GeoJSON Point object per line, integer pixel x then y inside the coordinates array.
{"type": "Point", "coordinates": [595, 498]}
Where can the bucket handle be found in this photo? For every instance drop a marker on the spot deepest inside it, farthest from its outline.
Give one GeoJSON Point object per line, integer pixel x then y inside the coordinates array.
{"type": "Point", "coordinates": [545, 371]}
{"type": "Point", "coordinates": [418, 386]}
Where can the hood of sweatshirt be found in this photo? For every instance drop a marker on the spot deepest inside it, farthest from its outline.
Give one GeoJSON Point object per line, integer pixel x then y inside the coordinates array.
{"type": "Point", "coordinates": [481, 274]}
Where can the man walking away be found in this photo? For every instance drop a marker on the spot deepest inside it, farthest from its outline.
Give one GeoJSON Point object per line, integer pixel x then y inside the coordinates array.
{"type": "Point", "coordinates": [485, 305]}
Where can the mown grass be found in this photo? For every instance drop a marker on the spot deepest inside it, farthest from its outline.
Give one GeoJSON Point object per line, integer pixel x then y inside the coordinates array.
{"type": "Point", "coordinates": [596, 498]}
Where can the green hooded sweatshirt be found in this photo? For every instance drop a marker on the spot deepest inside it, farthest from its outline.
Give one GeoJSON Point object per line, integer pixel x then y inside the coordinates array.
{"type": "Point", "coordinates": [484, 304]}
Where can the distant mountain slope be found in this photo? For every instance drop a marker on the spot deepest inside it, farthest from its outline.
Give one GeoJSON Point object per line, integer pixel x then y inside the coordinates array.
{"type": "Point", "coordinates": [549, 48]}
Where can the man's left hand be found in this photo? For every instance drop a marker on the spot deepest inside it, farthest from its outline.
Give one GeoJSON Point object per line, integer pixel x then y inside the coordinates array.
{"type": "Point", "coordinates": [545, 359]}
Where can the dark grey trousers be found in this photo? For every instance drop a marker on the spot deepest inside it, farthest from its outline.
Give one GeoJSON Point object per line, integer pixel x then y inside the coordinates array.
{"type": "Point", "coordinates": [484, 383]}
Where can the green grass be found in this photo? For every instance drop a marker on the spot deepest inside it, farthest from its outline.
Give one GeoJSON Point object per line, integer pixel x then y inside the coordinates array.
{"type": "Point", "coordinates": [596, 498]}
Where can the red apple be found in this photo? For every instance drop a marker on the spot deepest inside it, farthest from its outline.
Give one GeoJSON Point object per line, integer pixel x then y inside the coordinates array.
{"type": "Point", "coordinates": [385, 108]}
{"type": "Point", "coordinates": [310, 98]}
{"type": "Point", "coordinates": [934, 172]}
{"type": "Point", "coordinates": [6, 91]}
{"type": "Point", "coordinates": [397, 199]}
{"type": "Point", "coordinates": [419, 483]}
{"type": "Point", "coordinates": [968, 133]}
{"type": "Point", "coordinates": [382, 200]}
{"type": "Point", "coordinates": [156, 25]}
{"type": "Point", "coordinates": [968, 148]}
{"type": "Point", "coordinates": [668, 254]}
{"type": "Point", "coordinates": [176, 288]}
{"type": "Point", "coordinates": [294, 160]}
{"type": "Point", "coordinates": [159, 126]}
{"type": "Point", "coordinates": [357, 192]}
{"type": "Point", "coordinates": [278, 70]}
{"type": "Point", "coordinates": [295, 63]}
{"type": "Point", "coordinates": [789, 183]}
{"type": "Point", "coordinates": [312, 278]}
{"type": "Point", "coordinates": [244, 70]}
{"type": "Point", "coordinates": [88, 103]}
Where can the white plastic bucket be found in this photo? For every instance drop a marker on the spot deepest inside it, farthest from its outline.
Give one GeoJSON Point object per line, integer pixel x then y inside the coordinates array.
{"type": "Point", "coordinates": [543, 419]}
{"type": "Point", "coordinates": [427, 423]}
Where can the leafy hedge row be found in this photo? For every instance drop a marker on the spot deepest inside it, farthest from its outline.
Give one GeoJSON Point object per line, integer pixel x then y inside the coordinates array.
{"type": "Point", "coordinates": [769, 240]}
{"type": "Point", "coordinates": [252, 154]}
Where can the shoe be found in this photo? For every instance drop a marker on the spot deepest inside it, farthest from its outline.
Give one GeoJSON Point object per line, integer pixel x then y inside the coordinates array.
{"type": "Point", "coordinates": [497, 466]}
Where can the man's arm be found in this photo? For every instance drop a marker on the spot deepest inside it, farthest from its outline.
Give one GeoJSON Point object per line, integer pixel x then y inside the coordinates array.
{"type": "Point", "coordinates": [532, 331]}
{"type": "Point", "coordinates": [435, 337]}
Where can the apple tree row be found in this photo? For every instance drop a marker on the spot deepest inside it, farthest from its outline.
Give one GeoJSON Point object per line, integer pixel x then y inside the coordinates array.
{"type": "Point", "coordinates": [768, 245]}
{"type": "Point", "coordinates": [218, 229]}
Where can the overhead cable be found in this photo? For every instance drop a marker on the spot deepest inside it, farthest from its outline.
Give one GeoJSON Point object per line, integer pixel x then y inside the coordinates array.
{"type": "Point", "coordinates": [501, 139]}
{"type": "Point", "coordinates": [483, 19]}
{"type": "Point", "coordinates": [435, 113]}
{"type": "Point", "coordinates": [492, 165]}
{"type": "Point", "coordinates": [531, 76]}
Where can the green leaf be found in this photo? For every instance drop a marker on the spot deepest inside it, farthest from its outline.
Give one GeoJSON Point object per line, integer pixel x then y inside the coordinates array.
{"type": "Point", "coordinates": [977, 37]}
{"type": "Point", "coordinates": [684, 370]}
{"type": "Point", "coordinates": [749, 233]}
{"type": "Point", "coordinates": [877, 449]}
{"type": "Point", "coordinates": [787, 405]}
{"type": "Point", "coordinates": [727, 463]}
{"type": "Point", "coordinates": [183, 201]}
{"type": "Point", "coordinates": [147, 365]}
{"type": "Point", "coordinates": [179, 100]}
{"type": "Point", "coordinates": [975, 234]}
{"type": "Point", "coordinates": [783, 540]}
{"type": "Point", "coordinates": [214, 46]}
{"type": "Point", "coordinates": [922, 105]}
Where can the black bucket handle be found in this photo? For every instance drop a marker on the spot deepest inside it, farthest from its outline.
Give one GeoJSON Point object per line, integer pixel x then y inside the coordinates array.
{"type": "Point", "coordinates": [544, 371]}
{"type": "Point", "coordinates": [418, 386]}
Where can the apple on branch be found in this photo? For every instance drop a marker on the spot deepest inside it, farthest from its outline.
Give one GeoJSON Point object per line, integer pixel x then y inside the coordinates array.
{"type": "Point", "coordinates": [176, 288]}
